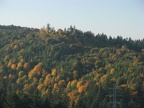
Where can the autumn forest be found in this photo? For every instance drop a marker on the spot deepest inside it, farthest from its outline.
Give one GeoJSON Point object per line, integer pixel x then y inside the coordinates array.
{"type": "Point", "coordinates": [48, 68]}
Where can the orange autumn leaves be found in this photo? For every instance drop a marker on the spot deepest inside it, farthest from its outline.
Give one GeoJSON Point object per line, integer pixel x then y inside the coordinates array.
{"type": "Point", "coordinates": [36, 71]}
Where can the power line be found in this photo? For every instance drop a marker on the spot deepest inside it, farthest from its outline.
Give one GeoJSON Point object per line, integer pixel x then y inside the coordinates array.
{"type": "Point", "coordinates": [113, 101]}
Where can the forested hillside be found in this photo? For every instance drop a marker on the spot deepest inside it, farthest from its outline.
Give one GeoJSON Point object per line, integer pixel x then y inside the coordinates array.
{"type": "Point", "coordinates": [48, 68]}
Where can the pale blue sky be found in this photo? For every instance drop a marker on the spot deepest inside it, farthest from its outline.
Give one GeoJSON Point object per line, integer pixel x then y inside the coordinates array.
{"type": "Point", "coordinates": [112, 17]}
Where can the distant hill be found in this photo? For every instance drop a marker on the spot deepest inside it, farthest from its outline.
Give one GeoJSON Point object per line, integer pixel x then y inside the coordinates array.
{"type": "Point", "coordinates": [68, 68]}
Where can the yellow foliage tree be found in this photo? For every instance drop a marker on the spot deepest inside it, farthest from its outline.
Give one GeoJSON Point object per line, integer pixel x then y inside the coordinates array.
{"type": "Point", "coordinates": [20, 57]}
{"type": "Point", "coordinates": [5, 77]}
{"type": "Point", "coordinates": [103, 78]}
{"type": "Point", "coordinates": [45, 93]}
{"type": "Point", "coordinates": [13, 66]}
{"type": "Point", "coordinates": [9, 63]}
{"type": "Point", "coordinates": [68, 85]}
{"type": "Point", "coordinates": [20, 74]}
{"type": "Point", "coordinates": [72, 96]}
{"type": "Point", "coordinates": [26, 66]}
{"type": "Point", "coordinates": [47, 79]}
{"type": "Point", "coordinates": [57, 78]}
{"type": "Point", "coordinates": [82, 89]}
{"type": "Point", "coordinates": [40, 80]}
{"type": "Point", "coordinates": [124, 46]}
{"type": "Point", "coordinates": [43, 32]}
{"type": "Point", "coordinates": [21, 60]}
{"type": "Point", "coordinates": [54, 71]}
{"type": "Point", "coordinates": [7, 57]}
{"type": "Point", "coordinates": [15, 47]}
{"type": "Point", "coordinates": [112, 70]}
{"type": "Point", "coordinates": [40, 87]}
{"type": "Point", "coordinates": [55, 86]}
{"type": "Point", "coordinates": [61, 83]}
{"type": "Point", "coordinates": [24, 77]}
{"type": "Point", "coordinates": [19, 81]}
{"type": "Point", "coordinates": [38, 67]}
{"type": "Point", "coordinates": [11, 76]}
{"type": "Point", "coordinates": [32, 74]}
{"type": "Point", "coordinates": [74, 84]}
{"type": "Point", "coordinates": [134, 93]}
{"type": "Point", "coordinates": [21, 51]}
{"type": "Point", "coordinates": [60, 32]}
{"type": "Point", "coordinates": [97, 76]}
{"type": "Point", "coordinates": [35, 71]}
{"type": "Point", "coordinates": [97, 83]}
{"type": "Point", "coordinates": [26, 87]}
{"type": "Point", "coordinates": [79, 84]}
{"type": "Point", "coordinates": [19, 64]}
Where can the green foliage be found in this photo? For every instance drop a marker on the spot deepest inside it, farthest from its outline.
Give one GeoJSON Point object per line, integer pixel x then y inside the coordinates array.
{"type": "Point", "coordinates": [41, 68]}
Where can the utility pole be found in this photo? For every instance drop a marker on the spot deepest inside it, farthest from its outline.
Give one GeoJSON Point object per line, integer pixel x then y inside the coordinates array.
{"type": "Point", "coordinates": [113, 97]}
{"type": "Point", "coordinates": [113, 49]}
